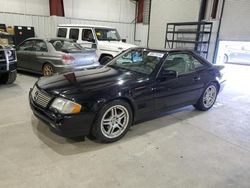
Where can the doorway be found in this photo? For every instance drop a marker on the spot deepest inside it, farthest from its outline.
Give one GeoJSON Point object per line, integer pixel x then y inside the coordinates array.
{"type": "Point", "coordinates": [233, 52]}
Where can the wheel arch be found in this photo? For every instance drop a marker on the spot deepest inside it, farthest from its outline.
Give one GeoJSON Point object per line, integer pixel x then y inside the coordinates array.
{"type": "Point", "coordinates": [217, 84]}
{"type": "Point", "coordinates": [129, 101]}
{"type": "Point", "coordinates": [46, 62]}
{"type": "Point", "coordinates": [212, 82]}
{"type": "Point", "coordinates": [123, 98]}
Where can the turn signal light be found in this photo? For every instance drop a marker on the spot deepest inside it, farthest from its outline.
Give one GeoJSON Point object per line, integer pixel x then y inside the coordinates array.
{"type": "Point", "coordinates": [76, 108]}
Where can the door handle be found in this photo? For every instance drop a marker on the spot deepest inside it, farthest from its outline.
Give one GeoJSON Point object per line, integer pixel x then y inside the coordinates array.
{"type": "Point", "coordinates": [196, 78]}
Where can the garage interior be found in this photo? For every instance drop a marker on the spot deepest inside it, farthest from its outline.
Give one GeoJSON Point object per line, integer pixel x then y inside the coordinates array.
{"type": "Point", "coordinates": [182, 148]}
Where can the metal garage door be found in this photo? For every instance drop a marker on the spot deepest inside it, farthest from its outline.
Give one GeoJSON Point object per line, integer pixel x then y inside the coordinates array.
{"type": "Point", "coordinates": [235, 25]}
{"type": "Point", "coordinates": [167, 11]}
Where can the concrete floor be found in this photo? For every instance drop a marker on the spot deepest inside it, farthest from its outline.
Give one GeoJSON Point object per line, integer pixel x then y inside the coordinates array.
{"type": "Point", "coordinates": [183, 149]}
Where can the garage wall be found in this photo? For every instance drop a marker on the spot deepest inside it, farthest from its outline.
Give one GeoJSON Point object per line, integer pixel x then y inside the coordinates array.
{"type": "Point", "coordinates": [101, 10]}
{"type": "Point", "coordinates": [27, 13]}
{"type": "Point", "coordinates": [42, 24]}
{"type": "Point", "coordinates": [165, 11]}
{"type": "Point", "coordinates": [115, 13]}
{"type": "Point", "coordinates": [36, 7]}
{"type": "Point", "coordinates": [235, 25]}
{"type": "Point", "coordinates": [141, 35]}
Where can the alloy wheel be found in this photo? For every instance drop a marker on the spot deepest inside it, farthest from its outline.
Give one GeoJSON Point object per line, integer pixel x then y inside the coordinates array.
{"type": "Point", "coordinates": [114, 121]}
{"type": "Point", "coordinates": [48, 70]}
{"type": "Point", "coordinates": [209, 96]}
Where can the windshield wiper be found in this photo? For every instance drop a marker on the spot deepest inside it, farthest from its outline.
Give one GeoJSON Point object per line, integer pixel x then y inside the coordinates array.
{"type": "Point", "coordinates": [118, 67]}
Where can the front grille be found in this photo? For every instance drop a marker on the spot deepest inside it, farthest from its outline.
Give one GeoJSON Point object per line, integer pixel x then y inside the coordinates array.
{"type": "Point", "coordinates": [2, 56]}
{"type": "Point", "coordinates": [40, 97]}
{"type": "Point", "coordinates": [10, 53]}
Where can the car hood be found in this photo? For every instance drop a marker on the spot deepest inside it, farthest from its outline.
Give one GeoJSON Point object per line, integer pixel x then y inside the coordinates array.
{"type": "Point", "coordinates": [87, 81]}
{"type": "Point", "coordinates": [116, 45]}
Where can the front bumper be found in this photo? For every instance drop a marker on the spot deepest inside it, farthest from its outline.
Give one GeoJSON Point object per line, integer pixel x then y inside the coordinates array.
{"type": "Point", "coordinates": [3, 67]}
{"type": "Point", "coordinates": [64, 125]}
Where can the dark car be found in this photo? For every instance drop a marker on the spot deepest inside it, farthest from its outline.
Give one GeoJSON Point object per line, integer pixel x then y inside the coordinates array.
{"type": "Point", "coordinates": [8, 59]}
{"type": "Point", "coordinates": [48, 56]}
{"type": "Point", "coordinates": [137, 83]}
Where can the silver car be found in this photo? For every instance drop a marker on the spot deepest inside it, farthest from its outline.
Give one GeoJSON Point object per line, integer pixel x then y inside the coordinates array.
{"type": "Point", "coordinates": [49, 56]}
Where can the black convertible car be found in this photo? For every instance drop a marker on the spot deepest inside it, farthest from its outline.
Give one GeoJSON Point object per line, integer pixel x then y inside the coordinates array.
{"type": "Point", "coordinates": [139, 82]}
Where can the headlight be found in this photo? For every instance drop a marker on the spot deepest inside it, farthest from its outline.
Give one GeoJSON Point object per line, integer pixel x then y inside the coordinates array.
{"type": "Point", "coordinates": [65, 106]}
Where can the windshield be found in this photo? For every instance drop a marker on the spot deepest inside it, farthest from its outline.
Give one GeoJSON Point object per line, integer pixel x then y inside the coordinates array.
{"type": "Point", "coordinates": [65, 46]}
{"type": "Point", "coordinates": [107, 34]}
{"type": "Point", "coordinates": [138, 60]}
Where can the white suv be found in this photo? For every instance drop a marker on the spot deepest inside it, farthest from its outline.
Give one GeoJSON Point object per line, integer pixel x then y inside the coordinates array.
{"type": "Point", "coordinates": [106, 40]}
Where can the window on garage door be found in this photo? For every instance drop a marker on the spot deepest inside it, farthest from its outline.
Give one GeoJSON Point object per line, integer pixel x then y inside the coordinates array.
{"type": "Point", "coordinates": [73, 34]}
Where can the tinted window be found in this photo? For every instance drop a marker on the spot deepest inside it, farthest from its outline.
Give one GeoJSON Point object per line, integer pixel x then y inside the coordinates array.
{"type": "Point", "coordinates": [40, 46]}
{"type": "Point", "coordinates": [181, 63]}
{"type": "Point", "coordinates": [139, 60]}
{"type": "Point", "coordinates": [62, 32]}
{"type": "Point", "coordinates": [26, 46]}
{"type": "Point", "coordinates": [73, 34]}
{"type": "Point", "coordinates": [196, 63]}
{"type": "Point", "coordinates": [65, 46]}
{"type": "Point", "coordinates": [107, 34]}
{"type": "Point", "coordinates": [87, 35]}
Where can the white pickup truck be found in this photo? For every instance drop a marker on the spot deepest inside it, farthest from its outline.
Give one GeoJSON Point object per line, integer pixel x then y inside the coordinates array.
{"type": "Point", "coordinates": [106, 40]}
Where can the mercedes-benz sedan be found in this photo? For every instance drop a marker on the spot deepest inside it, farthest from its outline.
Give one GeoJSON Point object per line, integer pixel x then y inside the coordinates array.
{"type": "Point", "coordinates": [105, 101]}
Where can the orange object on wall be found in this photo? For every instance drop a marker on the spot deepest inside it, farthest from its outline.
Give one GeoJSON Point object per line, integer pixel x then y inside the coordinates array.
{"type": "Point", "coordinates": [56, 8]}
{"type": "Point", "coordinates": [140, 10]}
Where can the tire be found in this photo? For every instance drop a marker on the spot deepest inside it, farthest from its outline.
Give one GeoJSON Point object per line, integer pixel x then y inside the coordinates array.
{"type": "Point", "coordinates": [105, 59]}
{"type": "Point", "coordinates": [113, 121]}
{"type": "Point", "coordinates": [9, 78]}
{"type": "Point", "coordinates": [208, 98]}
{"type": "Point", "coordinates": [48, 70]}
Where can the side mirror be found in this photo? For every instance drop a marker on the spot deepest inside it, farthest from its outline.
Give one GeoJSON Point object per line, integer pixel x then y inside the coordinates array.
{"type": "Point", "coordinates": [124, 40]}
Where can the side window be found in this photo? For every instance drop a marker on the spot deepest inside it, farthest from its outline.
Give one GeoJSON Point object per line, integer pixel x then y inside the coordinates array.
{"type": "Point", "coordinates": [182, 63]}
{"type": "Point", "coordinates": [197, 63]}
{"type": "Point", "coordinates": [62, 32]}
{"type": "Point", "coordinates": [73, 34]}
{"type": "Point", "coordinates": [87, 35]}
{"type": "Point", "coordinates": [26, 46]}
{"type": "Point", "coordinates": [40, 46]}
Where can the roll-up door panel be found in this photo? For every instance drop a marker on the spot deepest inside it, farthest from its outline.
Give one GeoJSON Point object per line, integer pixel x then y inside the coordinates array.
{"type": "Point", "coordinates": [235, 25]}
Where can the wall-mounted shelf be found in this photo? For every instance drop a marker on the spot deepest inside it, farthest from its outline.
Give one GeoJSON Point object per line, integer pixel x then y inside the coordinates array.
{"type": "Point", "coordinates": [190, 35]}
